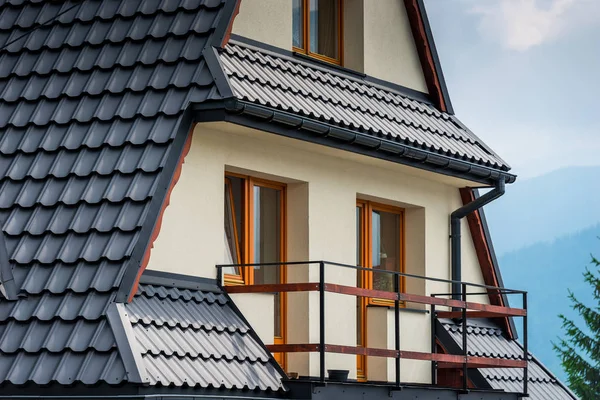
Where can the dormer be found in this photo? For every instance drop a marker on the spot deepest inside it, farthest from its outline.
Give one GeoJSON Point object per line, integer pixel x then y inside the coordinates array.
{"type": "Point", "coordinates": [384, 40]}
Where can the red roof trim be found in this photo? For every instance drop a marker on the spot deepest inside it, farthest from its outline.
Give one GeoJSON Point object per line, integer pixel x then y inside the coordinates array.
{"type": "Point", "coordinates": [482, 249]}
{"type": "Point", "coordinates": [424, 49]}
{"type": "Point", "coordinates": [157, 226]}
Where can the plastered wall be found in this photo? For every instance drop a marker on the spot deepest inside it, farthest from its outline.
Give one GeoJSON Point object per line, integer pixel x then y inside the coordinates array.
{"type": "Point", "coordinates": [377, 38]}
{"type": "Point", "coordinates": [323, 185]}
{"type": "Point", "coordinates": [267, 21]}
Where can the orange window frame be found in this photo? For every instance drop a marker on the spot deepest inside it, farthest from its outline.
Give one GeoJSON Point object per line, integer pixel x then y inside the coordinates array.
{"type": "Point", "coordinates": [305, 49]}
{"type": "Point", "coordinates": [365, 278]}
{"type": "Point", "coordinates": [246, 276]}
{"type": "Point", "coordinates": [231, 279]}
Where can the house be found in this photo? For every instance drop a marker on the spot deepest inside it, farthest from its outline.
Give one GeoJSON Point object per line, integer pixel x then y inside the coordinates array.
{"type": "Point", "coordinates": [244, 199]}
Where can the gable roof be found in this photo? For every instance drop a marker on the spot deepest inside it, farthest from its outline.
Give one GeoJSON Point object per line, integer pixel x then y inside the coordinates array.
{"type": "Point", "coordinates": [486, 339]}
{"type": "Point", "coordinates": [330, 100]}
{"type": "Point", "coordinates": [92, 124]}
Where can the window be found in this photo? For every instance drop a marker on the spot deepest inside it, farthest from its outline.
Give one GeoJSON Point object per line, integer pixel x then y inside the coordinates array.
{"type": "Point", "coordinates": [317, 29]}
{"type": "Point", "coordinates": [380, 246]}
{"type": "Point", "coordinates": [255, 233]}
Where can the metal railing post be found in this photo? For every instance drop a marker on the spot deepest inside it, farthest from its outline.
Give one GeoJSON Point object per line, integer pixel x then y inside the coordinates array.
{"type": "Point", "coordinates": [397, 326]}
{"type": "Point", "coordinates": [464, 338]}
{"type": "Point", "coordinates": [433, 345]}
{"type": "Point", "coordinates": [322, 321]}
{"type": "Point", "coordinates": [525, 344]}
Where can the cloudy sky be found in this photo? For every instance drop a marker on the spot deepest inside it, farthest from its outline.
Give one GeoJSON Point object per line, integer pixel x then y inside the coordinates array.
{"type": "Point", "coordinates": [524, 75]}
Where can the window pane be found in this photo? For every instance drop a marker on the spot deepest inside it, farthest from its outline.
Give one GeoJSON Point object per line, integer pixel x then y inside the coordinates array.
{"type": "Point", "coordinates": [298, 23]}
{"type": "Point", "coordinates": [386, 248]}
{"type": "Point", "coordinates": [267, 241]}
{"type": "Point", "coordinates": [324, 27]}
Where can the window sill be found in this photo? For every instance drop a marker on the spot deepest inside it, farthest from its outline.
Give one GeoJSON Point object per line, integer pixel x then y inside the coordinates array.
{"type": "Point", "coordinates": [329, 65]}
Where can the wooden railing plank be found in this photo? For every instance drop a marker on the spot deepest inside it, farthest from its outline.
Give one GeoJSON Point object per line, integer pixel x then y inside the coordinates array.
{"type": "Point", "coordinates": [444, 360]}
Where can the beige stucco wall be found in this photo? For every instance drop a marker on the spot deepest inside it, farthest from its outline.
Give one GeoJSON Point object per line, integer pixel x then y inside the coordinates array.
{"type": "Point", "coordinates": [323, 185]}
{"type": "Point", "coordinates": [268, 21]}
{"type": "Point", "coordinates": [248, 303]}
{"type": "Point", "coordinates": [390, 52]}
{"type": "Point", "coordinates": [377, 37]}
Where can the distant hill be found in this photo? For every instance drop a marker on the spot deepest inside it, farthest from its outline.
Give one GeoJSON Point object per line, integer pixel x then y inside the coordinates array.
{"type": "Point", "coordinates": [547, 270]}
{"type": "Point", "coordinates": [546, 207]}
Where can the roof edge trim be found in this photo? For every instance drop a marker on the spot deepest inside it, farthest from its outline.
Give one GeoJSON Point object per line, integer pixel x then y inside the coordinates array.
{"type": "Point", "coordinates": [160, 200]}
{"type": "Point", "coordinates": [225, 24]}
{"type": "Point", "coordinates": [8, 286]}
{"type": "Point", "coordinates": [448, 344]}
{"type": "Point", "coordinates": [215, 66]}
{"type": "Point", "coordinates": [180, 281]}
{"type": "Point", "coordinates": [127, 344]}
{"type": "Point", "coordinates": [290, 125]}
{"type": "Point", "coordinates": [511, 328]}
{"type": "Point", "coordinates": [256, 338]}
{"type": "Point", "coordinates": [430, 62]}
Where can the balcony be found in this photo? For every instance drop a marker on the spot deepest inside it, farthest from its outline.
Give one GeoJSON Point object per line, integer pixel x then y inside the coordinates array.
{"type": "Point", "coordinates": [456, 306]}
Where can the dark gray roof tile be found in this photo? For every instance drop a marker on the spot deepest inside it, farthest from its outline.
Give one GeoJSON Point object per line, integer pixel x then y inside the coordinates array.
{"type": "Point", "coordinates": [46, 307]}
{"type": "Point", "coordinates": [190, 342]}
{"type": "Point", "coordinates": [57, 278]}
{"type": "Point", "coordinates": [197, 315]}
{"type": "Point", "coordinates": [283, 82]}
{"type": "Point", "coordinates": [71, 247]}
{"type": "Point", "coordinates": [55, 336]}
{"type": "Point", "coordinates": [93, 135]}
{"type": "Point", "coordinates": [73, 190]}
{"type": "Point", "coordinates": [67, 367]}
{"type": "Point", "coordinates": [101, 217]}
{"type": "Point", "coordinates": [174, 293]}
{"type": "Point", "coordinates": [211, 373]}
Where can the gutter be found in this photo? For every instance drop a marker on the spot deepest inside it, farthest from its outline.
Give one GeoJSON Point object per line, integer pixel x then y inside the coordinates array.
{"type": "Point", "coordinates": [455, 233]}
{"type": "Point", "coordinates": [290, 125]}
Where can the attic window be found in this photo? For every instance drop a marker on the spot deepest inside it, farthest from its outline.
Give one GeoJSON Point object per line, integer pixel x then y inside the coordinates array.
{"type": "Point", "coordinates": [317, 29]}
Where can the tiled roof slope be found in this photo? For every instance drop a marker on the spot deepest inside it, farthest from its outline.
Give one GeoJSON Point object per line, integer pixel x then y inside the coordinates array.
{"type": "Point", "coordinates": [286, 83]}
{"type": "Point", "coordinates": [195, 338]}
{"type": "Point", "coordinates": [486, 340]}
{"type": "Point", "coordinates": [92, 93]}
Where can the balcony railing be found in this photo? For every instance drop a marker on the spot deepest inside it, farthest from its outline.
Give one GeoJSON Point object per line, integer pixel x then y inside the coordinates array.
{"type": "Point", "coordinates": [460, 309]}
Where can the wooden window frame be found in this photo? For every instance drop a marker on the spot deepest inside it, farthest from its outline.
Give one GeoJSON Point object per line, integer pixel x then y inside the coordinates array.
{"type": "Point", "coordinates": [237, 279]}
{"type": "Point", "coordinates": [247, 273]}
{"type": "Point", "coordinates": [366, 277]}
{"type": "Point", "coordinates": [305, 49]}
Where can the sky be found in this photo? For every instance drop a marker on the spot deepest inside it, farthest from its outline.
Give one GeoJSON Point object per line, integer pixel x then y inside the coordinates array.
{"type": "Point", "coordinates": [524, 75]}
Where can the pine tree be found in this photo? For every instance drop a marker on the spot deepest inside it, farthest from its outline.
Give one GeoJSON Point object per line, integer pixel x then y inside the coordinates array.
{"type": "Point", "coordinates": [580, 350]}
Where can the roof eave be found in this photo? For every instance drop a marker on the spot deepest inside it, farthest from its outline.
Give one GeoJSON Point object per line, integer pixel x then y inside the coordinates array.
{"type": "Point", "coordinates": [290, 125]}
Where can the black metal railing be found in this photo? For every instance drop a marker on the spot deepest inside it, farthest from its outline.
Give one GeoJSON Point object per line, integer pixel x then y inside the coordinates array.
{"type": "Point", "coordinates": [399, 297]}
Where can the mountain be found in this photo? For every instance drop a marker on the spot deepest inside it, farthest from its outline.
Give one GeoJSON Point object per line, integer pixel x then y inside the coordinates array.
{"type": "Point", "coordinates": [547, 271]}
{"type": "Point", "coordinates": [544, 208]}
{"type": "Point", "coordinates": [544, 230]}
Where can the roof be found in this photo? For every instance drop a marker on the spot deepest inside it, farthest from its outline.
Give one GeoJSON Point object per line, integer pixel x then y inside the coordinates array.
{"type": "Point", "coordinates": [485, 339]}
{"type": "Point", "coordinates": [189, 337]}
{"type": "Point", "coordinates": [286, 82]}
{"type": "Point", "coordinates": [92, 124]}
